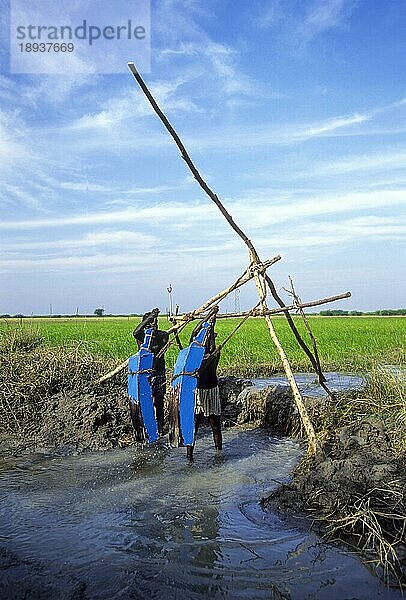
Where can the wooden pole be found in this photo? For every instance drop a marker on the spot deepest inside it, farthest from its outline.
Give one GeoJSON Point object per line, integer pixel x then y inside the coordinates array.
{"type": "Point", "coordinates": [254, 258]}
{"type": "Point", "coordinates": [220, 206]}
{"type": "Point", "coordinates": [318, 369]}
{"type": "Point", "coordinates": [307, 424]}
{"type": "Point", "coordinates": [276, 311]}
{"type": "Point", "coordinates": [244, 278]}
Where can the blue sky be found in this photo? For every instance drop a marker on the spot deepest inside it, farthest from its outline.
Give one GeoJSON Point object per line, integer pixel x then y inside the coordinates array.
{"type": "Point", "coordinates": [294, 112]}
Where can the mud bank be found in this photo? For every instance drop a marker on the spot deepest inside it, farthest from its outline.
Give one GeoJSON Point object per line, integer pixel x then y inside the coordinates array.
{"type": "Point", "coordinates": [72, 422]}
{"type": "Point", "coordinates": [93, 419]}
{"type": "Point", "coordinates": [354, 488]}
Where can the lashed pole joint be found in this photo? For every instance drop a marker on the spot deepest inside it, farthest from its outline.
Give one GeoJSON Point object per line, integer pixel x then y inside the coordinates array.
{"type": "Point", "coordinates": [254, 258]}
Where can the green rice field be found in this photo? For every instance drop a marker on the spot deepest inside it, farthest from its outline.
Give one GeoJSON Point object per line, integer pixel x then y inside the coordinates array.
{"type": "Point", "coordinates": [344, 343]}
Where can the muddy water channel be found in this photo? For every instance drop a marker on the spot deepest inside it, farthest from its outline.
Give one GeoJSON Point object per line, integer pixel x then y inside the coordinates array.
{"type": "Point", "coordinates": [143, 523]}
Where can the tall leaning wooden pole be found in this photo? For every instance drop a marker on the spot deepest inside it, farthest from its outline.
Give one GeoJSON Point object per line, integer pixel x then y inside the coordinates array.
{"type": "Point", "coordinates": [255, 261]}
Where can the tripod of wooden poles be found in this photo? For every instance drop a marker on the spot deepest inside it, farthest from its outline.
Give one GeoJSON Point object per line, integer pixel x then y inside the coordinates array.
{"type": "Point", "coordinates": [257, 270]}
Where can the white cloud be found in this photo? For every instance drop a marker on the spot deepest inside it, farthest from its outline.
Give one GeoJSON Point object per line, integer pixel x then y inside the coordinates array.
{"type": "Point", "coordinates": [337, 233]}
{"type": "Point", "coordinates": [154, 214]}
{"type": "Point", "coordinates": [137, 257]}
{"type": "Point", "coordinates": [323, 15]}
{"type": "Point", "coordinates": [332, 125]}
{"type": "Point", "coordinates": [84, 187]}
{"type": "Point", "coordinates": [13, 142]}
{"type": "Point", "coordinates": [181, 36]}
{"type": "Point", "coordinates": [98, 262]}
{"type": "Point", "coordinates": [383, 161]}
{"type": "Point", "coordinates": [254, 211]}
{"type": "Point", "coordinates": [257, 210]}
{"type": "Point", "coordinates": [303, 21]}
{"type": "Point", "coordinates": [146, 253]}
{"type": "Point", "coordinates": [128, 133]}
{"type": "Point", "coordinates": [121, 109]}
{"type": "Point", "coordinates": [9, 194]}
{"type": "Point", "coordinates": [91, 239]}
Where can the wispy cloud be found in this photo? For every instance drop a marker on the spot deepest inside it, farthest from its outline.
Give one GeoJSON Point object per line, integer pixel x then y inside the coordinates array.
{"type": "Point", "coordinates": [99, 262]}
{"type": "Point", "coordinates": [181, 36]}
{"type": "Point", "coordinates": [77, 186]}
{"type": "Point", "coordinates": [305, 20]}
{"type": "Point", "coordinates": [323, 15]}
{"type": "Point", "coordinates": [95, 251]}
{"type": "Point", "coordinates": [121, 109]}
{"type": "Point", "coordinates": [384, 161]}
{"type": "Point", "coordinates": [10, 194]}
{"type": "Point", "coordinates": [98, 238]}
{"type": "Point", "coordinates": [13, 139]}
{"type": "Point", "coordinates": [158, 213]}
{"type": "Point", "coordinates": [256, 209]}
{"type": "Point", "coordinates": [332, 125]}
{"type": "Point", "coordinates": [338, 233]}
{"type": "Point", "coordinates": [243, 137]}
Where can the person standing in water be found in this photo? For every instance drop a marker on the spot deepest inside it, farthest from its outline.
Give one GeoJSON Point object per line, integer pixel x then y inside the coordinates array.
{"type": "Point", "coordinates": [158, 376]}
{"type": "Point", "coordinates": [207, 393]}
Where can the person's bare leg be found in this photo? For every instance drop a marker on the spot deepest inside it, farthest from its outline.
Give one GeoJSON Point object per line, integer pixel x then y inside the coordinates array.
{"type": "Point", "coordinates": [189, 449]}
{"type": "Point", "coordinates": [159, 411]}
{"type": "Point", "coordinates": [215, 422]}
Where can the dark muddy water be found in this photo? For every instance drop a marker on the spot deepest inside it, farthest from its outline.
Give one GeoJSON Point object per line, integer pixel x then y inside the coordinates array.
{"type": "Point", "coordinates": [142, 523]}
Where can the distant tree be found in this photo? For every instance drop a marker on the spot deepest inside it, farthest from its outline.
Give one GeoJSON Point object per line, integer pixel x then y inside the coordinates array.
{"type": "Point", "coordinates": [99, 312]}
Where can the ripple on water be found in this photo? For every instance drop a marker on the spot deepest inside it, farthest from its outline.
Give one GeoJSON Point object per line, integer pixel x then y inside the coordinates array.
{"type": "Point", "coordinates": [144, 523]}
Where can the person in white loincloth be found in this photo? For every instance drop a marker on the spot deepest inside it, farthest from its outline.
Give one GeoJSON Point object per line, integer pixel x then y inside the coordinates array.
{"type": "Point", "coordinates": [207, 392]}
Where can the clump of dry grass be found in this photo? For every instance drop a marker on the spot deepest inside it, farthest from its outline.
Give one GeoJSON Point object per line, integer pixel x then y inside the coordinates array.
{"type": "Point", "coordinates": [385, 396]}
{"type": "Point", "coordinates": [18, 338]}
{"type": "Point", "coordinates": [30, 373]}
{"type": "Point", "coordinates": [375, 525]}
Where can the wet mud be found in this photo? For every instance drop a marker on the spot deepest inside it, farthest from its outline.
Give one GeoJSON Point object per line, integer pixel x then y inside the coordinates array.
{"type": "Point", "coordinates": [353, 488]}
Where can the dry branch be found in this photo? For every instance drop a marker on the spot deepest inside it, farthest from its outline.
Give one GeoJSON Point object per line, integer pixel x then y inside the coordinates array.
{"type": "Point", "coordinates": [317, 365]}
{"type": "Point", "coordinates": [275, 311]}
{"type": "Point", "coordinates": [242, 280]}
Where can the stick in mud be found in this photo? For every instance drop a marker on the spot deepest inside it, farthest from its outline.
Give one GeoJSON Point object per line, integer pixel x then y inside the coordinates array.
{"type": "Point", "coordinates": [317, 365]}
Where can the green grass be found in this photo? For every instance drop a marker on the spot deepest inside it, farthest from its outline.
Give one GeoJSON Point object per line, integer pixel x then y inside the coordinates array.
{"type": "Point", "coordinates": [344, 343]}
